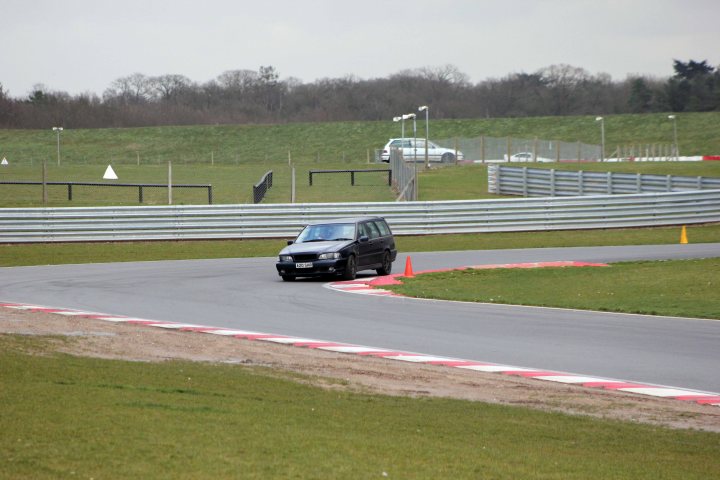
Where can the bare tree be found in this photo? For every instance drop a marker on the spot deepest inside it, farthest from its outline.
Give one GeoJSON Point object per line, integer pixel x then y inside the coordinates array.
{"type": "Point", "coordinates": [133, 89]}
{"type": "Point", "coordinates": [168, 87]}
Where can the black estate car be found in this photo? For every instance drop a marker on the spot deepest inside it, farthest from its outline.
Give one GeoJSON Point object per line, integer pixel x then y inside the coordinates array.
{"type": "Point", "coordinates": [339, 247]}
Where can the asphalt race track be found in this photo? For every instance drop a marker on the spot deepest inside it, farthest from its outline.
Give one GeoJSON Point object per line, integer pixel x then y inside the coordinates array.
{"type": "Point", "coordinates": [248, 294]}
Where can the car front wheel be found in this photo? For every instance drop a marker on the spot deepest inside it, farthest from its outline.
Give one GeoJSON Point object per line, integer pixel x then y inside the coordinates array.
{"type": "Point", "coordinates": [447, 158]}
{"type": "Point", "coordinates": [350, 269]}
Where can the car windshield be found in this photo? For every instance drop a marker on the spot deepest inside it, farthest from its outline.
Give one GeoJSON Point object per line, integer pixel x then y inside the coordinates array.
{"type": "Point", "coordinates": [328, 232]}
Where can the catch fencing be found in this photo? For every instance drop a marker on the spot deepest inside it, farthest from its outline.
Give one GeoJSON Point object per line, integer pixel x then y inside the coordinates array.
{"type": "Point", "coordinates": [538, 182]}
{"type": "Point", "coordinates": [405, 218]}
{"type": "Point", "coordinates": [503, 149]}
{"type": "Point", "coordinates": [404, 176]}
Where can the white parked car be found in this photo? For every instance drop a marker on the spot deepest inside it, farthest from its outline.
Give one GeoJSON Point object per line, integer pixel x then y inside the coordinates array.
{"type": "Point", "coordinates": [528, 157]}
{"type": "Point", "coordinates": [413, 148]}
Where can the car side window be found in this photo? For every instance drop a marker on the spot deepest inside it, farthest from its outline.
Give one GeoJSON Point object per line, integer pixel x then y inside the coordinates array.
{"type": "Point", "coordinates": [383, 228]}
{"type": "Point", "coordinates": [372, 230]}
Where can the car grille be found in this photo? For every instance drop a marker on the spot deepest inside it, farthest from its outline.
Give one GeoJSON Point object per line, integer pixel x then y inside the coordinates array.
{"type": "Point", "coordinates": [305, 257]}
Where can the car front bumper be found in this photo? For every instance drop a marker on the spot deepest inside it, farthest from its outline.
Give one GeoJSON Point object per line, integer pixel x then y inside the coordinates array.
{"type": "Point", "coordinates": [319, 268]}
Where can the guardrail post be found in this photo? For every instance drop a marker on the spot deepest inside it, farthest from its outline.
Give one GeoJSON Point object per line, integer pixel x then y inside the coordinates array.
{"type": "Point", "coordinates": [668, 183]}
{"type": "Point", "coordinates": [581, 185]}
{"type": "Point", "coordinates": [609, 183]}
{"type": "Point", "coordinates": [552, 182]}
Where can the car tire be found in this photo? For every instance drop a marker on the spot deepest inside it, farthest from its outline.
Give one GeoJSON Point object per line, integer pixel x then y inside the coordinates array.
{"type": "Point", "coordinates": [386, 267]}
{"type": "Point", "coordinates": [288, 278]}
{"type": "Point", "coordinates": [447, 157]}
{"type": "Point", "coordinates": [350, 268]}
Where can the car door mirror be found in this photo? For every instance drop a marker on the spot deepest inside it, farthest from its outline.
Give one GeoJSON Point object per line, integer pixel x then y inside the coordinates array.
{"type": "Point", "coordinates": [363, 239]}
{"type": "Point", "coordinates": [290, 242]}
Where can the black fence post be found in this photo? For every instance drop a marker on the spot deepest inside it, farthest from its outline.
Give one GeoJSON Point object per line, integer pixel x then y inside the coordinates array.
{"type": "Point", "coordinates": [70, 192]}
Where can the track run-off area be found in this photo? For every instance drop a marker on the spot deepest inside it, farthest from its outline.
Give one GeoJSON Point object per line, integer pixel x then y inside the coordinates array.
{"type": "Point", "coordinates": [655, 355]}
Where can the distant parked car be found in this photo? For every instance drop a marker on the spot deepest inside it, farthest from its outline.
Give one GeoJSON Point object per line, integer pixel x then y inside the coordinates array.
{"type": "Point", "coordinates": [339, 247]}
{"type": "Point", "coordinates": [414, 150]}
{"type": "Point", "coordinates": [528, 157]}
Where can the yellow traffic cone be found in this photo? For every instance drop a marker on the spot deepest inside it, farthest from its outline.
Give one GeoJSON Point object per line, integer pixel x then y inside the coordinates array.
{"type": "Point", "coordinates": [683, 235]}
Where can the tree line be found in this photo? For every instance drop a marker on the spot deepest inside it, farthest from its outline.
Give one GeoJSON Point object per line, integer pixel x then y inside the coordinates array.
{"type": "Point", "coordinates": [261, 96]}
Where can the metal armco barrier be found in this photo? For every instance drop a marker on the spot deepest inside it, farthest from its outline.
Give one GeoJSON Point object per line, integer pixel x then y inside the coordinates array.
{"type": "Point", "coordinates": [405, 218]}
{"type": "Point", "coordinates": [539, 182]}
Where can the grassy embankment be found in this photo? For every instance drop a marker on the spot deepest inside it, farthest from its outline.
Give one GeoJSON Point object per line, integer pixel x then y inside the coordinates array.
{"type": "Point", "coordinates": [233, 157]}
{"type": "Point", "coordinates": [68, 417]}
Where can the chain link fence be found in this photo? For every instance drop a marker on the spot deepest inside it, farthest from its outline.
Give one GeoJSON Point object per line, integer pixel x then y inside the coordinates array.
{"type": "Point", "coordinates": [403, 176]}
{"type": "Point", "coordinates": [502, 149]}
{"type": "Point", "coordinates": [485, 149]}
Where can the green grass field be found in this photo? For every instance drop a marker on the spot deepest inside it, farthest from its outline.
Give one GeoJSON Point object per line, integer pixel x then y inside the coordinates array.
{"type": "Point", "coordinates": [233, 157]}
{"type": "Point", "coordinates": [69, 417]}
{"type": "Point", "coordinates": [232, 184]}
{"type": "Point", "coordinates": [339, 142]}
{"type": "Point", "coordinates": [684, 288]}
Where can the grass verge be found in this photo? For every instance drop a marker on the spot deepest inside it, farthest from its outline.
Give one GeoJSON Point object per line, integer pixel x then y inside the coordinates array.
{"type": "Point", "coordinates": [69, 417]}
{"type": "Point", "coordinates": [686, 288]}
{"type": "Point", "coordinates": [67, 253]}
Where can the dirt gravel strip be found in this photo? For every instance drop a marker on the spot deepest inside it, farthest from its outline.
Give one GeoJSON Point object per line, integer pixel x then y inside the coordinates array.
{"type": "Point", "coordinates": [710, 417]}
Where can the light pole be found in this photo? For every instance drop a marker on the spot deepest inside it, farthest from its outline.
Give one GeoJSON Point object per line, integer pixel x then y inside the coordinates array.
{"type": "Point", "coordinates": [58, 130]}
{"type": "Point", "coordinates": [674, 120]}
{"type": "Point", "coordinates": [425, 109]}
{"type": "Point", "coordinates": [602, 137]}
{"type": "Point", "coordinates": [402, 128]}
{"type": "Point", "coordinates": [407, 117]}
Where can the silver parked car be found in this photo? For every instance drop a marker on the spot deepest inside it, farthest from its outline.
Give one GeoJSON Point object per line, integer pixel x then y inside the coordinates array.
{"type": "Point", "coordinates": [413, 149]}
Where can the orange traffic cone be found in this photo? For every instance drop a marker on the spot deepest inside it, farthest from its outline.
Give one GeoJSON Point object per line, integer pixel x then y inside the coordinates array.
{"type": "Point", "coordinates": [408, 268]}
{"type": "Point", "coordinates": [683, 235]}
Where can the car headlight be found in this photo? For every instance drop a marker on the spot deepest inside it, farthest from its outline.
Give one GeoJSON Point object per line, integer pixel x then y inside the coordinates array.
{"type": "Point", "coordinates": [286, 258]}
{"type": "Point", "coordinates": [329, 256]}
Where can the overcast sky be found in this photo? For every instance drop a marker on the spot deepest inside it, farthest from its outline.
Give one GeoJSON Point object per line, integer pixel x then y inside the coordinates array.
{"type": "Point", "coordinates": [83, 45]}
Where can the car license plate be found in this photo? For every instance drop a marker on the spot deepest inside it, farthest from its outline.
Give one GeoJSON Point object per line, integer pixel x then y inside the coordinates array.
{"type": "Point", "coordinates": [304, 265]}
